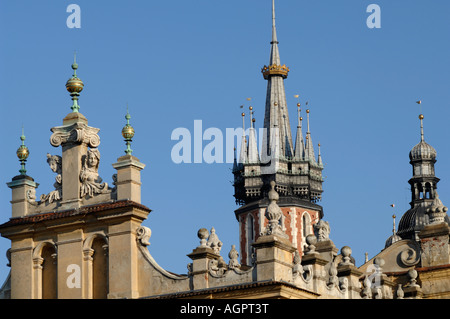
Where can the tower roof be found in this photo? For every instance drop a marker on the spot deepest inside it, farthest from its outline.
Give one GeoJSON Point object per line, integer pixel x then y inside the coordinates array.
{"type": "Point", "coordinates": [276, 112]}
{"type": "Point", "coordinates": [423, 150]}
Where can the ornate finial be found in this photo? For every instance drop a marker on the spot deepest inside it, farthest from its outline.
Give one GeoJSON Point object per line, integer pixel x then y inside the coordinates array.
{"type": "Point", "coordinates": [274, 213]}
{"type": "Point", "coordinates": [22, 154]}
{"type": "Point", "coordinates": [421, 121]}
{"type": "Point", "coordinates": [74, 86]}
{"type": "Point", "coordinates": [393, 218]}
{"type": "Point", "coordinates": [422, 138]}
{"type": "Point", "coordinates": [437, 211]}
{"type": "Point", "coordinates": [74, 64]}
{"type": "Point", "coordinates": [128, 133]}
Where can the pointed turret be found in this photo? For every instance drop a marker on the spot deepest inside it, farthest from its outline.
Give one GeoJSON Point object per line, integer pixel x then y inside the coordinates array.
{"type": "Point", "coordinates": [309, 149]}
{"type": "Point", "coordinates": [243, 157]}
{"type": "Point", "coordinates": [253, 156]}
{"type": "Point", "coordinates": [319, 157]}
{"type": "Point", "coordinates": [299, 142]}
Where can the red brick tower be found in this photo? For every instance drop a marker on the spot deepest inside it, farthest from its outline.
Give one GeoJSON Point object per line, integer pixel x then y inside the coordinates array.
{"type": "Point", "coordinates": [295, 169]}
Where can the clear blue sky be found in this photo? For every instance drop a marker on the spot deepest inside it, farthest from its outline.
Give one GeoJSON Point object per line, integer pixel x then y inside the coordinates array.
{"type": "Point", "coordinates": [176, 61]}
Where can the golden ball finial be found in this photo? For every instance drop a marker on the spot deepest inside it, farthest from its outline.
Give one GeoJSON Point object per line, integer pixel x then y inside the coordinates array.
{"type": "Point", "coordinates": [301, 118]}
{"type": "Point", "coordinates": [276, 103]}
{"type": "Point", "coordinates": [128, 132]}
{"type": "Point", "coordinates": [298, 104]}
{"type": "Point", "coordinates": [243, 114]}
{"type": "Point", "coordinates": [250, 108]}
{"type": "Point", "coordinates": [307, 111]}
{"type": "Point", "coordinates": [74, 85]}
{"type": "Point", "coordinates": [22, 153]}
{"type": "Point", "coordinates": [421, 116]}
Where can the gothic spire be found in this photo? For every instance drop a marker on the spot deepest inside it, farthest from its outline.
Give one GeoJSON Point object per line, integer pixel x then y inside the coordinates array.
{"type": "Point", "coordinates": [276, 112]}
{"type": "Point", "coordinates": [299, 142]}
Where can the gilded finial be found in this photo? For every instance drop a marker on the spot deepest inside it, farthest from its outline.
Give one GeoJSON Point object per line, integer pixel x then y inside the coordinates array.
{"type": "Point", "coordinates": [128, 133]}
{"type": "Point", "coordinates": [74, 86]}
{"type": "Point", "coordinates": [22, 154]}
{"type": "Point", "coordinates": [393, 218]}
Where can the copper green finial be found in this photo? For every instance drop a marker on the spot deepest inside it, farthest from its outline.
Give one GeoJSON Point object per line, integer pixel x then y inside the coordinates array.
{"type": "Point", "coordinates": [22, 154]}
{"type": "Point", "coordinates": [128, 133]}
{"type": "Point", "coordinates": [74, 85]}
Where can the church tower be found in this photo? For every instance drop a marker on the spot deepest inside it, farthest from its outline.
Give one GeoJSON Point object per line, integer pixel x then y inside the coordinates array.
{"type": "Point", "coordinates": [423, 188]}
{"type": "Point", "coordinates": [294, 168]}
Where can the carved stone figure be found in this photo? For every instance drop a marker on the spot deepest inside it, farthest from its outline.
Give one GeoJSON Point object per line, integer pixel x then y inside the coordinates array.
{"type": "Point", "coordinates": [322, 230]}
{"type": "Point", "coordinates": [143, 235]}
{"type": "Point", "coordinates": [234, 258]}
{"type": "Point", "coordinates": [55, 163]}
{"type": "Point", "coordinates": [297, 270]}
{"type": "Point", "coordinates": [91, 182]}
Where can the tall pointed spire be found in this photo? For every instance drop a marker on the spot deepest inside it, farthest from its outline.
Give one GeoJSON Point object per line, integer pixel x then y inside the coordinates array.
{"type": "Point", "coordinates": [275, 54]}
{"type": "Point", "coordinates": [276, 113]}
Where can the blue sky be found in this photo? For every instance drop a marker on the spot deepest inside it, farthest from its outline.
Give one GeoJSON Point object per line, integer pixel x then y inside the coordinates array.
{"type": "Point", "coordinates": [176, 61]}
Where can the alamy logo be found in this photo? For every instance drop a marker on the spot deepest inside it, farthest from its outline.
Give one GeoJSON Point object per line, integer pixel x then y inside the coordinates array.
{"type": "Point", "coordinates": [74, 279]}
{"type": "Point", "coordinates": [74, 19]}
{"type": "Point", "coordinates": [219, 147]}
{"type": "Point", "coordinates": [374, 20]}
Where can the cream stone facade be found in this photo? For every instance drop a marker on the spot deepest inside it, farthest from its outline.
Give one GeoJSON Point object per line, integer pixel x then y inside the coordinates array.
{"type": "Point", "coordinates": [85, 239]}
